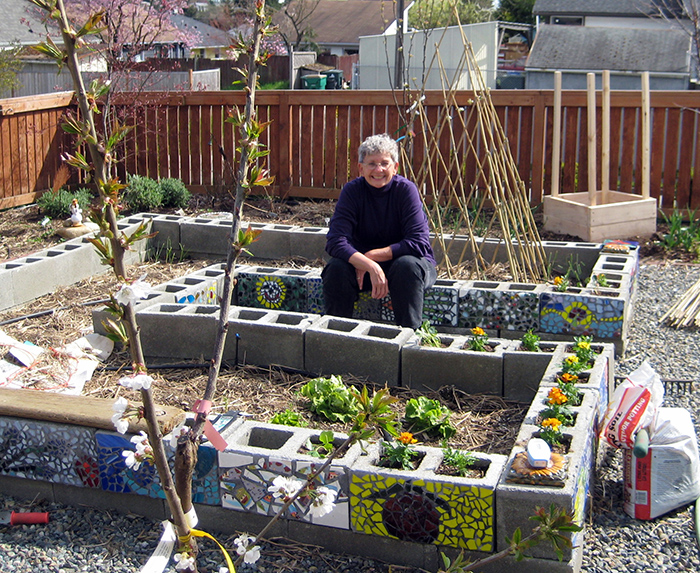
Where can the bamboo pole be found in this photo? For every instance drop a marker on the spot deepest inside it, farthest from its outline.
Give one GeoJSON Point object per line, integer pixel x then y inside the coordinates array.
{"type": "Point", "coordinates": [591, 140]}
{"type": "Point", "coordinates": [646, 136]}
{"type": "Point", "coordinates": [605, 138]}
{"type": "Point", "coordinates": [556, 136]}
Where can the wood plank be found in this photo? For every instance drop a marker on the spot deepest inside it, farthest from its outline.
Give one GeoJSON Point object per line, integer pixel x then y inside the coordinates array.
{"type": "Point", "coordinates": [615, 131]}
{"type": "Point", "coordinates": [368, 127]}
{"type": "Point", "coordinates": [174, 153]}
{"type": "Point", "coordinates": [331, 141]}
{"type": "Point", "coordinates": [629, 151]}
{"type": "Point", "coordinates": [195, 126]}
{"type": "Point", "coordinates": [317, 144]}
{"type": "Point", "coordinates": [688, 128]}
{"type": "Point", "coordinates": [572, 126]}
{"type": "Point", "coordinates": [671, 154]}
{"type": "Point", "coordinates": [658, 129]}
{"type": "Point", "coordinates": [355, 131]}
{"type": "Point", "coordinates": [217, 127]}
{"type": "Point", "coordinates": [342, 159]}
{"type": "Point", "coordinates": [305, 144]}
{"type": "Point", "coordinates": [141, 141]}
{"type": "Point", "coordinates": [206, 144]}
{"type": "Point", "coordinates": [530, 156]}
{"type": "Point", "coordinates": [161, 158]}
{"type": "Point", "coordinates": [282, 143]}
{"type": "Point", "coordinates": [76, 410]}
{"type": "Point", "coordinates": [9, 106]}
{"type": "Point", "coordinates": [6, 188]}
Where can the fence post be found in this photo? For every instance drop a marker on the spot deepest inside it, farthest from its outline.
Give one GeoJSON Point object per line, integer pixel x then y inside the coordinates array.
{"type": "Point", "coordinates": [539, 128]}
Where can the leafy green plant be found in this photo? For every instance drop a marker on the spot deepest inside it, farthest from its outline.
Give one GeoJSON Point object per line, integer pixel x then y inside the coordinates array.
{"type": "Point", "coordinates": [601, 280]}
{"type": "Point", "coordinates": [460, 461]}
{"type": "Point", "coordinates": [142, 193]}
{"type": "Point", "coordinates": [57, 205]}
{"type": "Point", "coordinates": [683, 231]}
{"type": "Point", "coordinates": [288, 418]}
{"type": "Point", "coordinates": [174, 193]}
{"type": "Point", "coordinates": [583, 349]}
{"type": "Point", "coordinates": [428, 335]}
{"type": "Point", "coordinates": [424, 415]}
{"type": "Point", "coordinates": [325, 446]}
{"type": "Point", "coordinates": [567, 384]}
{"type": "Point", "coordinates": [530, 341]}
{"type": "Point", "coordinates": [550, 431]}
{"type": "Point", "coordinates": [561, 284]}
{"type": "Point", "coordinates": [399, 454]}
{"type": "Point", "coordinates": [331, 398]}
{"type": "Point", "coordinates": [478, 340]}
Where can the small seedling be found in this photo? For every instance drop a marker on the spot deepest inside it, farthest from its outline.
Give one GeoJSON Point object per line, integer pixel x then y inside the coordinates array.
{"type": "Point", "coordinates": [288, 418]}
{"type": "Point", "coordinates": [460, 461]}
{"type": "Point", "coordinates": [325, 446]}
{"type": "Point", "coordinates": [428, 335]}
{"type": "Point", "coordinates": [531, 341]}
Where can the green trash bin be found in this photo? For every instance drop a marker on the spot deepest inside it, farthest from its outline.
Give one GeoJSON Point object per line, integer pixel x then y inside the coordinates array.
{"type": "Point", "coordinates": [335, 79]}
{"type": "Point", "coordinates": [314, 82]}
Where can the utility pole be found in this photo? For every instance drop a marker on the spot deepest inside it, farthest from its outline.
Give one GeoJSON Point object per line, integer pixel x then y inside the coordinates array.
{"type": "Point", "coordinates": [398, 73]}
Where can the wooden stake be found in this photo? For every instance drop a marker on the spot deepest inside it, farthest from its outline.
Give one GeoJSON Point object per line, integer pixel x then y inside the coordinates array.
{"type": "Point", "coordinates": [605, 138]}
{"type": "Point", "coordinates": [592, 184]}
{"type": "Point", "coordinates": [556, 136]}
{"type": "Point", "coordinates": [646, 135]}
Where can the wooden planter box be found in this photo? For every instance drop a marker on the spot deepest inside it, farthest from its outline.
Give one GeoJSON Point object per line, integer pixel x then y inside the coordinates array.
{"type": "Point", "coordinates": [615, 216]}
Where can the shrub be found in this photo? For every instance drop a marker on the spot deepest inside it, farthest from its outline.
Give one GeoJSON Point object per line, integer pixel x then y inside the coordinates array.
{"type": "Point", "coordinates": [57, 205]}
{"type": "Point", "coordinates": [142, 193]}
{"type": "Point", "coordinates": [174, 193]}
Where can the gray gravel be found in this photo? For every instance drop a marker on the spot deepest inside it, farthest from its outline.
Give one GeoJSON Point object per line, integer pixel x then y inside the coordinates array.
{"type": "Point", "coordinates": [85, 540]}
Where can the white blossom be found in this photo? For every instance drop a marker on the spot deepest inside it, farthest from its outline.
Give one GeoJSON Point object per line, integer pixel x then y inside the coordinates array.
{"type": "Point", "coordinates": [134, 458]}
{"type": "Point", "coordinates": [131, 459]}
{"type": "Point", "coordinates": [183, 561]}
{"type": "Point", "coordinates": [130, 293]}
{"type": "Point", "coordinates": [323, 501]}
{"type": "Point", "coordinates": [242, 543]}
{"type": "Point", "coordinates": [285, 487]}
{"type": "Point", "coordinates": [119, 407]}
{"type": "Point", "coordinates": [136, 381]}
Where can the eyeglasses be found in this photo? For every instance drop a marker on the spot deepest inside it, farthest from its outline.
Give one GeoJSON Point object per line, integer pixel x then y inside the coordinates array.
{"type": "Point", "coordinates": [383, 165]}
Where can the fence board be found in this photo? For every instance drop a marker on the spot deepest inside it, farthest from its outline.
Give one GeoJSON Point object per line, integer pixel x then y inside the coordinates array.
{"type": "Point", "coordinates": [317, 144]}
{"type": "Point", "coordinates": [670, 174]}
{"type": "Point", "coordinates": [658, 130]}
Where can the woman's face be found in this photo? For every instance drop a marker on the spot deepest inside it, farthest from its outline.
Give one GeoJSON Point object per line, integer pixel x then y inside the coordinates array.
{"type": "Point", "coordinates": [378, 169]}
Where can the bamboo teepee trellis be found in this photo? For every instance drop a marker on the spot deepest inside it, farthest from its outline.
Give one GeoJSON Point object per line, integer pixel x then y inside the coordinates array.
{"type": "Point", "coordinates": [495, 202]}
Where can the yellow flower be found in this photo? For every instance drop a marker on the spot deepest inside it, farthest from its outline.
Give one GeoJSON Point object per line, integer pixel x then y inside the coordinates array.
{"type": "Point", "coordinates": [572, 359]}
{"type": "Point", "coordinates": [552, 423]}
{"type": "Point", "coordinates": [556, 396]}
{"type": "Point", "coordinates": [406, 438]}
{"type": "Point", "coordinates": [584, 345]}
{"type": "Point", "coordinates": [558, 281]}
{"type": "Point", "coordinates": [478, 331]}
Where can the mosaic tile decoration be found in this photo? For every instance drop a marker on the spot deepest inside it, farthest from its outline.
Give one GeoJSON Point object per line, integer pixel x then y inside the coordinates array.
{"type": "Point", "coordinates": [497, 309]}
{"type": "Point", "coordinates": [600, 317]}
{"type": "Point", "coordinates": [368, 308]}
{"type": "Point", "coordinates": [246, 477]}
{"type": "Point", "coordinates": [206, 295]}
{"type": "Point", "coordinates": [422, 511]}
{"type": "Point", "coordinates": [314, 295]}
{"type": "Point", "coordinates": [272, 291]}
{"type": "Point", "coordinates": [57, 453]}
{"type": "Point", "coordinates": [441, 306]}
{"type": "Point", "coordinates": [116, 476]}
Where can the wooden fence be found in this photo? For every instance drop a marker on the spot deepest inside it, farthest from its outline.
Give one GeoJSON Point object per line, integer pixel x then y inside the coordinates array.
{"type": "Point", "coordinates": [314, 135]}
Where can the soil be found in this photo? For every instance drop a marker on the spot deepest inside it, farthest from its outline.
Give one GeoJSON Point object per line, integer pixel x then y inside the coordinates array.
{"type": "Point", "coordinates": [484, 423]}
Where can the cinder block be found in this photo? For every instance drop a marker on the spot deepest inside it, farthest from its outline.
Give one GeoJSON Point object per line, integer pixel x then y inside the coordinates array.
{"type": "Point", "coordinates": [7, 294]}
{"type": "Point", "coordinates": [516, 502]}
{"type": "Point", "coordinates": [562, 254]}
{"type": "Point", "coordinates": [137, 251]}
{"type": "Point", "coordinates": [167, 229]}
{"type": "Point", "coordinates": [198, 289]}
{"type": "Point", "coordinates": [468, 370]}
{"type": "Point", "coordinates": [579, 312]}
{"type": "Point", "coordinates": [181, 331]}
{"type": "Point", "coordinates": [257, 453]}
{"type": "Point", "coordinates": [523, 370]}
{"type": "Point", "coordinates": [441, 302]}
{"type": "Point", "coordinates": [274, 288]}
{"type": "Point", "coordinates": [402, 503]}
{"type": "Point", "coordinates": [270, 337]}
{"type": "Point", "coordinates": [204, 237]}
{"type": "Point", "coordinates": [496, 305]}
{"type": "Point", "coordinates": [624, 264]}
{"type": "Point", "coordinates": [376, 310]}
{"type": "Point", "coordinates": [341, 346]}
{"type": "Point", "coordinates": [274, 242]}
{"type": "Point", "coordinates": [100, 314]}
{"type": "Point", "coordinates": [308, 242]}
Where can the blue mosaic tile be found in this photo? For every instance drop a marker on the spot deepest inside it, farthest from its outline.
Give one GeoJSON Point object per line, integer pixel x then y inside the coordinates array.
{"type": "Point", "coordinates": [315, 304]}
{"type": "Point", "coordinates": [58, 453]}
{"type": "Point", "coordinates": [116, 476]}
{"type": "Point", "coordinates": [499, 309]}
{"type": "Point", "coordinates": [441, 305]}
{"type": "Point", "coordinates": [580, 314]}
{"type": "Point", "coordinates": [376, 310]}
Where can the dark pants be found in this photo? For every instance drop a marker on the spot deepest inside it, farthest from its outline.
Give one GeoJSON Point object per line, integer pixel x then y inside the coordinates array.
{"type": "Point", "coordinates": [408, 278]}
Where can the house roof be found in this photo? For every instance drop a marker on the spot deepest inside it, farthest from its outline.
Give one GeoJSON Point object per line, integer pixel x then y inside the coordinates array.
{"type": "Point", "coordinates": [598, 7]}
{"type": "Point", "coordinates": [342, 22]}
{"type": "Point", "coordinates": [615, 49]}
{"type": "Point", "coordinates": [21, 22]}
{"type": "Point", "coordinates": [203, 35]}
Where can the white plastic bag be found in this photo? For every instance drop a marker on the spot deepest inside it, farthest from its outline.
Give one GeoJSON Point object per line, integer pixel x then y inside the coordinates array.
{"type": "Point", "coordinates": [669, 475]}
{"type": "Point", "coordinates": [633, 406]}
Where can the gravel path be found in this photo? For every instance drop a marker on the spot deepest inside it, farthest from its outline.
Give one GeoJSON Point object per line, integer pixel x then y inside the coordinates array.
{"type": "Point", "coordinates": [85, 540]}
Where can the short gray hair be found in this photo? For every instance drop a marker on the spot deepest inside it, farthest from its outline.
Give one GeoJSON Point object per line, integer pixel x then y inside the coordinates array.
{"type": "Point", "coordinates": [376, 144]}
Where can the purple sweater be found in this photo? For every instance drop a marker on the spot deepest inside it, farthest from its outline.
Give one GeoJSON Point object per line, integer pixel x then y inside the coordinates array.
{"type": "Point", "coordinates": [368, 218]}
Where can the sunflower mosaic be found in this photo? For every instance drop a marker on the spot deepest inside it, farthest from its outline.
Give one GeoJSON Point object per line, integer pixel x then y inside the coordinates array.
{"type": "Point", "coordinates": [564, 313]}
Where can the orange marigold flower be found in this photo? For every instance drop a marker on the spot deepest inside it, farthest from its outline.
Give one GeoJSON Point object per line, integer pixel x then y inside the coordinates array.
{"type": "Point", "coordinates": [567, 377]}
{"type": "Point", "coordinates": [556, 396]}
{"type": "Point", "coordinates": [407, 438]}
{"type": "Point", "coordinates": [478, 331]}
{"type": "Point", "coordinates": [558, 280]}
{"type": "Point", "coordinates": [552, 423]}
